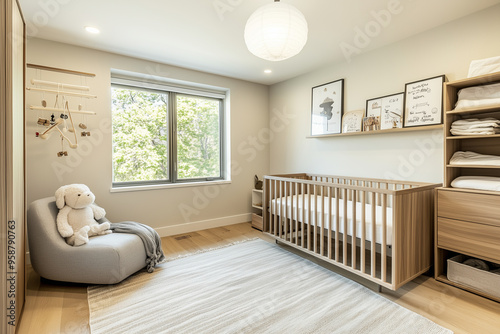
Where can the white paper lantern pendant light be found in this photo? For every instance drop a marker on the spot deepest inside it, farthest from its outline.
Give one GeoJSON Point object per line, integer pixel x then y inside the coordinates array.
{"type": "Point", "coordinates": [276, 31]}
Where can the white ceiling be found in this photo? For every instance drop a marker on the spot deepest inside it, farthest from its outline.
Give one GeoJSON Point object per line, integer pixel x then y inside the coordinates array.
{"type": "Point", "coordinates": [196, 35]}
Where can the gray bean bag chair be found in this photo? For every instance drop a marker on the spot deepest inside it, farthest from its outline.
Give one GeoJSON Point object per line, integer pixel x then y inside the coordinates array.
{"type": "Point", "coordinates": [106, 259]}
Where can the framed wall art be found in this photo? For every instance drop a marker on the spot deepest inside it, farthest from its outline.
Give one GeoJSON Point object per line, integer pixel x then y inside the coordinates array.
{"type": "Point", "coordinates": [388, 108]}
{"type": "Point", "coordinates": [327, 106]}
{"type": "Point", "coordinates": [424, 102]}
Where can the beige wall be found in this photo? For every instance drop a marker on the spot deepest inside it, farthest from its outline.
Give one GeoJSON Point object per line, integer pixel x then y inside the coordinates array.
{"type": "Point", "coordinates": [204, 206]}
{"type": "Point", "coordinates": [410, 156]}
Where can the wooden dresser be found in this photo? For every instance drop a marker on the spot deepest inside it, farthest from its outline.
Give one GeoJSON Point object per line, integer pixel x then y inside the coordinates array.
{"type": "Point", "coordinates": [467, 221]}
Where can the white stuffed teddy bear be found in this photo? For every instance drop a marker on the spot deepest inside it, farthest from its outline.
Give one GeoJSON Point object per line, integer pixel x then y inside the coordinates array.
{"type": "Point", "coordinates": [75, 220]}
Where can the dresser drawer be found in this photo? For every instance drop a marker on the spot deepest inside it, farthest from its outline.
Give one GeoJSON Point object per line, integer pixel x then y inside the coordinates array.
{"type": "Point", "coordinates": [473, 207]}
{"type": "Point", "coordinates": [473, 239]}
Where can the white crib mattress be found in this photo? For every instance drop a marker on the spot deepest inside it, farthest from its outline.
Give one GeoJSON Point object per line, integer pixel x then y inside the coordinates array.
{"type": "Point", "coordinates": [325, 222]}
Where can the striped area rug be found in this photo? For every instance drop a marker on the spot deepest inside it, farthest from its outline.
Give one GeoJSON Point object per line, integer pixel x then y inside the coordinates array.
{"type": "Point", "coordinates": [250, 287]}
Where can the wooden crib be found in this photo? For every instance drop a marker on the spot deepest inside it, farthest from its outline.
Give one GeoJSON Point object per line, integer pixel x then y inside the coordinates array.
{"type": "Point", "coordinates": [311, 212]}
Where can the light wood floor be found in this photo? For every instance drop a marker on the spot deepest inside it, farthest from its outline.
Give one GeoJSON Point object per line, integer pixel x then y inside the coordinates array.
{"type": "Point", "coordinates": [62, 308]}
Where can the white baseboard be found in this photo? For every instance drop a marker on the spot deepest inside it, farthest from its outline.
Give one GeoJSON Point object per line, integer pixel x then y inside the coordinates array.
{"type": "Point", "coordinates": [203, 225]}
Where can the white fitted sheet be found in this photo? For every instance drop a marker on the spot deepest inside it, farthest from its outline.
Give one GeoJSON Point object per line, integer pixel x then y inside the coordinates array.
{"type": "Point", "coordinates": [291, 213]}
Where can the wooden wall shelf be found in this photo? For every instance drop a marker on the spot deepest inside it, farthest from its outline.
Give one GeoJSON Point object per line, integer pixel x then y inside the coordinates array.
{"type": "Point", "coordinates": [472, 166]}
{"type": "Point", "coordinates": [376, 132]}
{"type": "Point", "coordinates": [472, 111]}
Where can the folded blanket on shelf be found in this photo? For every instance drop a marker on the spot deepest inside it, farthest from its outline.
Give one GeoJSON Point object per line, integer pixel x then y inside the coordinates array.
{"type": "Point", "coordinates": [480, 131]}
{"type": "Point", "coordinates": [477, 182]}
{"type": "Point", "coordinates": [484, 66]}
{"type": "Point", "coordinates": [478, 96]}
{"type": "Point", "coordinates": [475, 126]}
{"type": "Point", "coordinates": [472, 158]}
{"type": "Point", "coordinates": [473, 123]}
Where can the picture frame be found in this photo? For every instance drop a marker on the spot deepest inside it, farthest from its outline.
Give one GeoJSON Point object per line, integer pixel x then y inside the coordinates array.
{"type": "Point", "coordinates": [389, 109]}
{"type": "Point", "coordinates": [424, 102]}
{"type": "Point", "coordinates": [352, 121]}
{"type": "Point", "coordinates": [327, 108]}
{"type": "Point", "coordinates": [371, 123]}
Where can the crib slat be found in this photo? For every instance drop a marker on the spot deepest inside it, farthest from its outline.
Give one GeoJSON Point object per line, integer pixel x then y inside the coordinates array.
{"type": "Point", "coordinates": [354, 222]}
{"type": "Point", "coordinates": [275, 217]}
{"type": "Point", "coordinates": [293, 207]}
{"type": "Point", "coordinates": [309, 220]}
{"type": "Point", "coordinates": [296, 213]}
{"type": "Point", "coordinates": [363, 231]}
{"type": "Point", "coordinates": [290, 218]}
{"type": "Point", "coordinates": [329, 222]}
{"type": "Point", "coordinates": [394, 243]}
{"type": "Point", "coordinates": [378, 195]}
{"type": "Point", "coordinates": [303, 215]}
{"type": "Point", "coordinates": [289, 212]}
{"type": "Point", "coordinates": [337, 224]}
{"type": "Point", "coordinates": [285, 208]}
{"type": "Point", "coordinates": [316, 221]}
{"type": "Point", "coordinates": [373, 242]}
{"type": "Point", "coordinates": [282, 203]}
{"type": "Point", "coordinates": [322, 226]}
{"type": "Point", "coordinates": [344, 253]}
{"type": "Point", "coordinates": [292, 211]}
{"type": "Point", "coordinates": [290, 223]}
{"type": "Point", "coordinates": [384, 236]}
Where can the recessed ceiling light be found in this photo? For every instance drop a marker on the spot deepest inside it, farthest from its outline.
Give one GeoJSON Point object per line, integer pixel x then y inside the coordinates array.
{"type": "Point", "coordinates": [92, 30]}
{"type": "Point", "coordinates": [268, 71]}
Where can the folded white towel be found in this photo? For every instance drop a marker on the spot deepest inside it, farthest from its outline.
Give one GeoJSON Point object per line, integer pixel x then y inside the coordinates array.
{"type": "Point", "coordinates": [473, 158]}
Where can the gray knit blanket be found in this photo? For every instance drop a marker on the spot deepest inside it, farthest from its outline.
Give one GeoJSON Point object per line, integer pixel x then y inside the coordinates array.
{"type": "Point", "coordinates": [149, 237]}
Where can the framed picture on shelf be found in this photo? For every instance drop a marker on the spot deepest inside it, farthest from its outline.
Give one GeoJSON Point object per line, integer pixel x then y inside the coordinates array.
{"type": "Point", "coordinates": [389, 109]}
{"type": "Point", "coordinates": [371, 123]}
{"type": "Point", "coordinates": [352, 121]}
{"type": "Point", "coordinates": [424, 102]}
{"type": "Point", "coordinates": [327, 106]}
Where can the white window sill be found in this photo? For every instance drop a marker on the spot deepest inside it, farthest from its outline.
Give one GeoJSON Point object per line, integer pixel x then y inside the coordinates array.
{"type": "Point", "coordinates": [168, 186]}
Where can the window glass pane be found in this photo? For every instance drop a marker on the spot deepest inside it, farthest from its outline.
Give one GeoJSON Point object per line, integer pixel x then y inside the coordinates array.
{"type": "Point", "coordinates": [140, 135]}
{"type": "Point", "coordinates": [198, 137]}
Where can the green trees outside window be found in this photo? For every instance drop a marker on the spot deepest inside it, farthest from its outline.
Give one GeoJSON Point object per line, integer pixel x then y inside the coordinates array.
{"type": "Point", "coordinates": [198, 139]}
{"type": "Point", "coordinates": [165, 136]}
